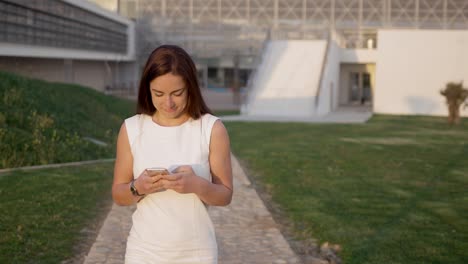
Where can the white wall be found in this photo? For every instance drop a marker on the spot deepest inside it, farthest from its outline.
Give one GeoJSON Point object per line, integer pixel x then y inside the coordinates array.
{"type": "Point", "coordinates": [95, 8]}
{"type": "Point", "coordinates": [29, 51]}
{"type": "Point", "coordinates": [414, 65]}
{"type": "Point", "coordinates": [329, 89]}
{"type": "Point", "coordinates": [94, 74]}
{"type": "Point", "coordinates": [359, 56]}
{"type": "Point", "coordinates": [287, 79]}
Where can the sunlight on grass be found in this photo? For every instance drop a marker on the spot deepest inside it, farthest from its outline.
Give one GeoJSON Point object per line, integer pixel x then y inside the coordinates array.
{"type": "Point", "coordinates": [390, 191]}
{"type": "Point", "coordinates": [382, 141]}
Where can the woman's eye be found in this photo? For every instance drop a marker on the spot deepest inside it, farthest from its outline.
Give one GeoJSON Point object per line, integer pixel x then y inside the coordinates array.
{"type": "Point", "coordinates": [158, 95]}
{"type": "Point", "coordinates": [179, 93]}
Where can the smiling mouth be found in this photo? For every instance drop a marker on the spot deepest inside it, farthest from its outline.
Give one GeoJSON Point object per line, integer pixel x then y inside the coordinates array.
{"type": "Point", "coordinates": [170, 110]}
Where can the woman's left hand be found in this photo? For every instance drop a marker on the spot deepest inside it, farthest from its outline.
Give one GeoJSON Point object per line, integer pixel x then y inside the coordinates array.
{"type": "Point", "coordinates": [182, 180]}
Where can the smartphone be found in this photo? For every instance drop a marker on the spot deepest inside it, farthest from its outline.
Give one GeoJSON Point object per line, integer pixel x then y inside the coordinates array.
{"type": "Point", "coordinates": [157, 171]}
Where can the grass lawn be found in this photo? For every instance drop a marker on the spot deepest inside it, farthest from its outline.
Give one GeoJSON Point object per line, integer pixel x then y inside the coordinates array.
{"type": "Point", "coordinates": [45, 212]}
{"type": "Point", "coordinates": [394, 190]}
{"type": "Point", "coordinates": [226, 112]}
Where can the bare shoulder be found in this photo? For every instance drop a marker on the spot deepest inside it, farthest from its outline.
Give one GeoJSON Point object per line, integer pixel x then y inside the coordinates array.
{"type": "Point", "coordinates": [124, 159]}
{"type": "Point", "coordinates": [123, 128]}
{"type": "Point", "coordinates": [122, 139]}
{"type": "Point", "coordinates": [122, 132]}
{"type": "Point", "coordinates": [219, 132]}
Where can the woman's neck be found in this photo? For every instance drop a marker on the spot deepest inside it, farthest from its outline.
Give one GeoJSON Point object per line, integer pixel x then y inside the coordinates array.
{"type": "Point", "coordinates": [163, 121]}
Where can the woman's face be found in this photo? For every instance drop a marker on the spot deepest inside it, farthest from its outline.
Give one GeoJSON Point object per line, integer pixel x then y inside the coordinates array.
{"type": "Point", "coordinates": [169, 94]}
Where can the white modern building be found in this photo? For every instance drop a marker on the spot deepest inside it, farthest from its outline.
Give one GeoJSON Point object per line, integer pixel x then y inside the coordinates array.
{"type": "Point", "coordinates": [403, 75]}
{"type": "Point", "coordinates": [297, 57]}
{"type": "Point", "coordinates": [311, 57]}
{"type": "Point", "coordinates": [71, 41]}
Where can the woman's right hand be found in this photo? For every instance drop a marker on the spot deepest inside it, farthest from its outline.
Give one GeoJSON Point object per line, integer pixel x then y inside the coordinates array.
{"type": "Point", "coordinates": [146, 184]}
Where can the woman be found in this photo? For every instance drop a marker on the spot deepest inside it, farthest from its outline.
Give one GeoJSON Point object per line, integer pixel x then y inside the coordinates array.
{"type": "Point", "coordinates": [173, 129]}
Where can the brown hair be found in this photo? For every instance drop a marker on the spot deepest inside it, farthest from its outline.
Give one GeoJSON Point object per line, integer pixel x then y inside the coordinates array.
{"type": "Point", "coordinates": [171, 59]}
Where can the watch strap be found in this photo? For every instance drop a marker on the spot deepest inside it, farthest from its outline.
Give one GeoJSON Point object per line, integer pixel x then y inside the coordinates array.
{"type": "Point", "coordinates": [133, 189]}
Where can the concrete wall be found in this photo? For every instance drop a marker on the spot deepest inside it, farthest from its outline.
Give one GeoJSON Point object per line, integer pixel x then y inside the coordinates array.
{"type": "Point", "coordinates": [287, 80]}
{"type": "Point", "coordinates": [94, 74]}
{"type": "Point", "coordinates": [35, 68]}
{"type": "Point", "coordinates": [358, 56]}
{"type": "Point", "coordinates": [414, 65]}
{"type": "Point", "coordinates": [329, 87]}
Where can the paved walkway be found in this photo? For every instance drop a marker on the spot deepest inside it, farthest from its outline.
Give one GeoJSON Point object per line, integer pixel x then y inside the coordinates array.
{"type": "Point", "coordinates": [219, 100]}
{"type": "Point", "coordinates": [246, 231]}
{"type": "Point", "coordinates": [342, 115]}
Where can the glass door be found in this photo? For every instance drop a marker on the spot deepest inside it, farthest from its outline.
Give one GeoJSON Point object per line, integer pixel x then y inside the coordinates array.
{"type": "Point", "coordinates": [354, 87]}
{"type": "Point", "coordinates": [366, 95]}
{"type": "Point", "coordinates": [360, 88]}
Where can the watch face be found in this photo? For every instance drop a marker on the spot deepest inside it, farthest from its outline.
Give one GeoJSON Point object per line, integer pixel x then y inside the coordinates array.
{"type": "Point", "coordinates": [133, 189]}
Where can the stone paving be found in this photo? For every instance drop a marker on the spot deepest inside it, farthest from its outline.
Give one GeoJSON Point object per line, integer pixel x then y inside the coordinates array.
{"type": "Point", "coordinates": [245, 230]}
{"type": "Point", "coordinates": [343, 115]}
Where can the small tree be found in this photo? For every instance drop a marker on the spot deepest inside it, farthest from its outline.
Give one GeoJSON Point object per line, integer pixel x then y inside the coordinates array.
{"type": "Point", "coordinates": [455, 96]}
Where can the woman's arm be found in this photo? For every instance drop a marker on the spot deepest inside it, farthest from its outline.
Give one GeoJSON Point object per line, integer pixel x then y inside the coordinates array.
{"type": "Point", "coordinates": [123, 175]}
{"type": "Point", "coordinates": [219, 192]}
{"type": "Point", "coordinates": [123, 171]}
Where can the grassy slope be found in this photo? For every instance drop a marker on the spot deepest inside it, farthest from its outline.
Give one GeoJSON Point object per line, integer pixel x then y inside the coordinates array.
{"type": "Point", "coordinates": [41, 123]}
{"type": "Point", "coordinates": [46, 122]}
{"type": "Point", "coordinates": [390, 191]}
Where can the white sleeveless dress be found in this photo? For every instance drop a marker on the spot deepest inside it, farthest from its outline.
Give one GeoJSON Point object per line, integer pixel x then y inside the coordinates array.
{"type": "Point", "coordinates": [169, 227]}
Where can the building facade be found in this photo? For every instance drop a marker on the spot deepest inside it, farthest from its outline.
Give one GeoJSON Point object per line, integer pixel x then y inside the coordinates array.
{"type": "Point", "coordinates": [310, 57]}
{"type": "Point", "coordinates": [68, 41]}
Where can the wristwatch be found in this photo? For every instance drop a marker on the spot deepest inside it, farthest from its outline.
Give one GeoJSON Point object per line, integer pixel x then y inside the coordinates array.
{"type": "Point", "coordinates": [134, 190]}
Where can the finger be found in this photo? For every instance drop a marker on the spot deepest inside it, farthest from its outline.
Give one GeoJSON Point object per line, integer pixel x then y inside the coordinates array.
{"type": "Point", "coordinates": [168, 184]}
{"type": "Point", "coordinates": [149, 180]}
{"type": "Point", "coordinates": [172, 177]}
{"type": "Point", "coordinates": [154, 187]}
{"type": "Point", "coordinates": [156, 178]}
{"type": "Point", "coordinates": [144, 176]}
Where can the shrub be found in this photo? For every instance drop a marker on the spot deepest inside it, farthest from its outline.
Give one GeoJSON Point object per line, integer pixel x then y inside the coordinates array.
{"type": "Point", "coordinates": [43, 122]}
{"type": "Point", "coordinates": [455, 96]}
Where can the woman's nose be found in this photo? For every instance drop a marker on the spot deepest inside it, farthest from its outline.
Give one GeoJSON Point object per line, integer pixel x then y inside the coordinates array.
{"type": "Point", "coordinates": [169, 101]}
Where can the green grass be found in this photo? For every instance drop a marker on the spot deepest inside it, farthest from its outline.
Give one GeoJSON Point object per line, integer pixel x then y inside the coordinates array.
{"type": "Point", "coordinates": [47, 122]}
{"type": "Point", "coordinates": [44, 211]}
{"type": "Point", "coordinates": [390, 191]}
{"type": "Point", "coordinates": [226, 112]}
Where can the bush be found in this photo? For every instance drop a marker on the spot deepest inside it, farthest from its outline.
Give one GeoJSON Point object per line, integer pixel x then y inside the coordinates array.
{"type": "Point", "coordinates": [455, 96]}
{"type": "Point", "coordinates": [43, 122]}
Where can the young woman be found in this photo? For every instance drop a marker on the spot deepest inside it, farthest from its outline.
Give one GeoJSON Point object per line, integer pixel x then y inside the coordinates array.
{"type": "Point", "coordinates": [173, 129]}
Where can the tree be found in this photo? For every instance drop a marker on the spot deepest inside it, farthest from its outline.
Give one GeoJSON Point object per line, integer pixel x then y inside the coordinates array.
{"type": "Point", "coordinates": [455, 96]}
